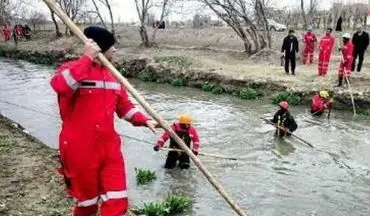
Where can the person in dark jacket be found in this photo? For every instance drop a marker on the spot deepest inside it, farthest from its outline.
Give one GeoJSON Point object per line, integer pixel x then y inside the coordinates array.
{"type": "Point", "coordinates": [289, 51]}
{"type": "Point", "coordinates": [27, 32]}
{"type": "Point", "coordinates": [360, 41]}
{"type": "Point", "coordinates": [284, 120]}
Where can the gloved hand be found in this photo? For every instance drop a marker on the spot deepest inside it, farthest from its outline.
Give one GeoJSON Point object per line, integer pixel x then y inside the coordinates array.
{"type": "Point", "coordinates": [156, 148]}
{"type": "Point", "coordinates": [283, 54]}
{"type": "Point", "coordinates": [331, 100]}
{"type": "Point", "coordinates": [196, 153]}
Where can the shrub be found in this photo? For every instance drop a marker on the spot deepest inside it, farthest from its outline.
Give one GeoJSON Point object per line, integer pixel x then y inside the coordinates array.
{"type": "Point", "coordinates": [292, 98]}
{"type": "Point", "coordinates": [249, 94]}
{"type": "Point", "coordinates": [147, 76]}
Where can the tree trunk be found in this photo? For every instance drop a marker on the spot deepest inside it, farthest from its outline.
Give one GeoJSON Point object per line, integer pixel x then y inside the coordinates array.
{"type": "Point", "coordinates": [99, 15]}
{"type": "Point", "coordinates": [58, 33]}
{"type": "Point", "coordinates": [111, 16]}
{"type": "Point", "coordinates": [303, 15]}
{"type": "Point", "coordinates": [144, 36]}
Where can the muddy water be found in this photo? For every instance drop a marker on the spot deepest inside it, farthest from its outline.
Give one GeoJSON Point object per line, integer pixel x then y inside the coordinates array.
{"type": "Point", "coordinates": [275, 178]}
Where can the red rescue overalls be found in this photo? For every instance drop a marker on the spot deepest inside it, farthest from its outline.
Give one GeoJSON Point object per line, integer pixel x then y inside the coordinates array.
{"type": "Point", "coordinates": [326, 47]}
{"type": "Point", "coordinates": [346, 59]}
{"type": "Point", "coordinates": [309, 40]}
{"type": "Point", "coordinates": [187, 135]}
{"type": "Point", "coordinates": [90, 150]}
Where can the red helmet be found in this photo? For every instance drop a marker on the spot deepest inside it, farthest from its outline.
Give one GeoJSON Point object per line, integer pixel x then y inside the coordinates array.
{"type": "Point", "coordinates": [284, 105]}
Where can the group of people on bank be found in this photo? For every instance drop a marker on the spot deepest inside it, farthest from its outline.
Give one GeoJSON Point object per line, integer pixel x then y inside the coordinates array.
{"type": "Point", "coordinates": [352, 47]}
{"type": "Point", "coordinates": [17, 32]}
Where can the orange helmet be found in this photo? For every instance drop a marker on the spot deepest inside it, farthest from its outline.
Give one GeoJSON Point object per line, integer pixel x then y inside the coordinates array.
{"type": "Point", "coordinates": [185, 119]}
{"type": "Point", "coordinates": [284, 105]}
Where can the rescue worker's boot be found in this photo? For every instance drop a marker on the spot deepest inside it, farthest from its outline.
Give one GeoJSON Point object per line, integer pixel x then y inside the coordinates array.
{"type": "Point", "coordinates": [340, 81]}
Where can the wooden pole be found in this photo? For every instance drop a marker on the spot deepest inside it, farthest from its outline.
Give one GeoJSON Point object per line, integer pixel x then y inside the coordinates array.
{"type": "Point", "coordinates": [352, 99]}
{"type": "Point", "coordinates": [349, 87]}
{"type": "Point", "coordinates": [147, 107]}
{"type": "Point", "coordinates": [201, 153]}
{"type": "Point", "coordinates": [293, 135]}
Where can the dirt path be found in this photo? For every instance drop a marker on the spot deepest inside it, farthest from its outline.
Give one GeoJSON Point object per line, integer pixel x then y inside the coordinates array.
{"type": "Point", "coordinates": [29, 182]}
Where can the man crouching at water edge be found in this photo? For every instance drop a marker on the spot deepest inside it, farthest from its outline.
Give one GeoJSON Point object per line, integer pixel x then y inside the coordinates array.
{"type": "Point", "coordinates": [184, 129]}
{"type": "Point", "coordinates": [90, 150]}
{"type": "Point", "coordinates": [284, 120]}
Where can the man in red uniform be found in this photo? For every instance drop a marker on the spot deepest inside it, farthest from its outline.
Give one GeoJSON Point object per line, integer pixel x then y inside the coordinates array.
{"type": "Point", "coordinates": [188, 134]}
{"type": "Point", "coordinates": [6, 32]}
{"type": "Point", "coordinates": [320, 102]}
{"type": "Point", "coordinates": [325, 50]}
{"type": "Point", "coordinates": [346, 59]}
{"type": "Point", "coordinates": [309, 40]}
{"type": "Point", "coordinates": [90, 150]}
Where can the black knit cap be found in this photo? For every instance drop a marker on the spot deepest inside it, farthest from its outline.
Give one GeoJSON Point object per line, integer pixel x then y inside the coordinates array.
{"type": "Point", "coordinates": [104, 38]}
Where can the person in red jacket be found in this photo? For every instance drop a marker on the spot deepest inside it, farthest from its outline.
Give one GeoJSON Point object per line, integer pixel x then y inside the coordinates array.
{"type": "Point", "coordinates": [6, 32]}
{"type": "Point", "coordinates": [90, 152]}
{"type": "Point", "coordinates": [320, 102]}
{"type": "Point", "coordinates": [309, 41]}
{"type": "Point", "coordinates": [188, 134]}
{"type": "Point", "coordinates": [325, 50]}
{"type": "Point", "coordinates": [346, 59]}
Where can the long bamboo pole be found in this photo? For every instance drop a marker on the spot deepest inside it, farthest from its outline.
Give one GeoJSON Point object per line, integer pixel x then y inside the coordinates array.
{"type": "Point", "coordinates": [147, 107]}
{"type": "Point", "coordinates": [297, 137]}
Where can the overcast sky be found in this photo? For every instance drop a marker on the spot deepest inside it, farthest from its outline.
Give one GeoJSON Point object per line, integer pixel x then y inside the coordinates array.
{"type": "Point", "coordinates": [125, 10]}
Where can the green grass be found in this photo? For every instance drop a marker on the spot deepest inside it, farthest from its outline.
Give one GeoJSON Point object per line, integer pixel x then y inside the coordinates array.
{"type": "Point", "coordinates": [292, 98]}
{"type": "Point", "coordinates": [178, 82]}
{"type": "Point", "coordinates": [147, 76]}
{"type": "Point", "coordinates": [171, 205]}
{"type": "Point", "coordinates": [173, 61]}
{"type": "Point", "coordinates": [124, 72]}
{"type": "Point", "coordinates": [145, 176]}
{"type": "Point", "coordinates": [363, 112]}
{"type": "Point", "coordinates": [249, 94]}
{"type": "Point", "coordinates": [212, 87]}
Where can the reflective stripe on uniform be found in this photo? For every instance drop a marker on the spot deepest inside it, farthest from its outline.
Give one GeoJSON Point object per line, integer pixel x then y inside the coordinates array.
{"type": "Point", "coordinates": [71, 82]}
{"type": "Point", "coordinates": [114, 195]}
{"type": "Point", "coordinates": [100, 84]}
{"type": "Point", "coordinates": [87, 203]}
{"type": "Point", "coordinates": [131, 113]}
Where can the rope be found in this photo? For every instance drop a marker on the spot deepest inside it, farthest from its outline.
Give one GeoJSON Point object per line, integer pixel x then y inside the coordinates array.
{"type": "Point", "coordinates": [121, 135]}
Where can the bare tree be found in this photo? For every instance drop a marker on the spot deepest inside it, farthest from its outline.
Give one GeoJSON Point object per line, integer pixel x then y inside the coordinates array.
{"type": "Point", "coordinates": [98, 13]}
{"type": "Point", "coordinates": [236, 14]}
{"type": "Point", "coordinates": [36, 19]}
{"type": "Point", "coordinates": [307, 16]}
{"type": "Point", "coordinates": [57, 30]}
{"type": "Point", "coordinates": [143, 8]}
{"type": "Point", "coordinates": [261, 18]}
{"type": "Point", "coordinates": [106, 4]}
{"type": "Point", "coordinates": [73, 9]}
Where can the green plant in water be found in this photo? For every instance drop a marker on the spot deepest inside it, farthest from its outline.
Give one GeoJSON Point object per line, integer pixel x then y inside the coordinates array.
{"type": "Point", "coordinates": [249, 94]}
{"type": "Point", "coordinates": [171, 205]}
{"type": "Point", "coordinates": [176, 204]}
{"type": "Point", "coordinates": [177, 82]}
{"type": "Point", "coordinates": [363, 112]}
{"type": "Point", "coordinates": [212, 87]}
{"type": "Point", "coordinates": [292, 98]}
{"type": "Point", "coordinates": [145, 176]}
